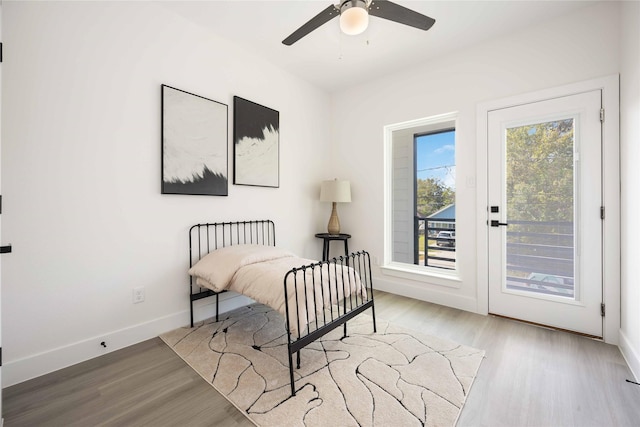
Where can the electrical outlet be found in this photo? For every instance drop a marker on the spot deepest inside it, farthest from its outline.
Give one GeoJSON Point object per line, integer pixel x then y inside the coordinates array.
{"type": "Point", "coordinates": [138, 294]}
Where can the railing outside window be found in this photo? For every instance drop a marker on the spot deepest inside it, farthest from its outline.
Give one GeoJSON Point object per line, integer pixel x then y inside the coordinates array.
{"type": "Point", "coordinates": [435, 242]}
{"type": "Point", "coordinates": [540, 254]}
{"type": "Point", "coordinates": [540, 257]}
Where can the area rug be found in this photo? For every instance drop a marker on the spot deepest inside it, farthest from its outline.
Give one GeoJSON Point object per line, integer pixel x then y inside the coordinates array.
{"type": "Point", "coordinates": [395, 377]}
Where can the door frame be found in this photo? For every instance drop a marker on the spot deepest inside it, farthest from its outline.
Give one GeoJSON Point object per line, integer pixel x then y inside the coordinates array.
{"type": "Point", "coordinates": [610, 191]}
{"type": "Point", "coordinates": [1, 40]}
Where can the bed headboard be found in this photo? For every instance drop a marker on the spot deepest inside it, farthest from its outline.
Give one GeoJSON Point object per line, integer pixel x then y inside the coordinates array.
{"type": "Point", "coordinates": [204, 238]}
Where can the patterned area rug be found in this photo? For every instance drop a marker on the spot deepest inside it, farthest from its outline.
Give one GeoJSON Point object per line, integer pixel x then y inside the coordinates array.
{"type": "Point", "coordinates": [394, 377]}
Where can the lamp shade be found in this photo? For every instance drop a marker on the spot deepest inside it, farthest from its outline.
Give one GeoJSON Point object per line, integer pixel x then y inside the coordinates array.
{"type": "Point", "coordinates": [335, 191]}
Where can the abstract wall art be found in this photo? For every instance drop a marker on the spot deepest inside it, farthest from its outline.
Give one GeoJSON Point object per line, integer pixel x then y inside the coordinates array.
{"type": "Point", "coordinates": [256, 143]}
{"type": "Point", "coordinates": [194, 144]}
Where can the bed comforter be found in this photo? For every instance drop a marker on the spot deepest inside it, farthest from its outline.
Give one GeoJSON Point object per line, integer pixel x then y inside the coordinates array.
{"type": "Point", "coordinates": [258, 272]}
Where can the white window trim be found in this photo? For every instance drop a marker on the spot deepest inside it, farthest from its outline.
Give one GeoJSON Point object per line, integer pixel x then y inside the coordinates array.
{"type": "Point", "coordinates": [432, 275]}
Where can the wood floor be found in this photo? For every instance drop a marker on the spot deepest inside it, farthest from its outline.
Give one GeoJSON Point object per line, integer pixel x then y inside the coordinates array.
{"type": "Point", "coordinates": [531, 376]}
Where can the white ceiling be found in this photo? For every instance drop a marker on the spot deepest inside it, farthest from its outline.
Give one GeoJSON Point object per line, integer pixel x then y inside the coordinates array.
{"type": "Point", "coordinates": [331, 60]}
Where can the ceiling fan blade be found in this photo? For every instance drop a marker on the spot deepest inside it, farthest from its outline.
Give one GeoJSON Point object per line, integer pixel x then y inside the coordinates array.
{"type": "Point", "coordinates": [322, 18]}
{"type": "Point", "coordinates": [394, 12]}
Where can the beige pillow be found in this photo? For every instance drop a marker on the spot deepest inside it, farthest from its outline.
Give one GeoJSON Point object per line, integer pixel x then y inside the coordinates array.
{"type": "Point", "coordinates": [218, 267]}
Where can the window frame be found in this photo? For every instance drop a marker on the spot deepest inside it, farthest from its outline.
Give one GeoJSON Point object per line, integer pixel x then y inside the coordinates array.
{"type": "Point", "coordinates": [434, 275]}
{"type": "Point", "coordinates": [415, 180]}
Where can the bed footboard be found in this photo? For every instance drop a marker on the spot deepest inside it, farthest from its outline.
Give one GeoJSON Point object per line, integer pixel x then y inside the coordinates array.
{"type": "Point", "coordinates": [341, 287]}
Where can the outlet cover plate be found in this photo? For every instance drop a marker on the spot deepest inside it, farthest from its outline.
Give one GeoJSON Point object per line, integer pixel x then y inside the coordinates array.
{"type": "Point", "coordinates": [138, 295]}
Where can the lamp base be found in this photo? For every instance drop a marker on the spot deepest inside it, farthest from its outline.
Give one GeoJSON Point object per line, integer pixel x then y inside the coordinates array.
{"type": "Point", "coordinates": [334, 222]}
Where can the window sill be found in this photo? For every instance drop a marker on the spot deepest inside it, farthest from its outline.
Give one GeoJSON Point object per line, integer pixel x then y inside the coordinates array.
{"type": "Point", "coordinates": [433, 276]}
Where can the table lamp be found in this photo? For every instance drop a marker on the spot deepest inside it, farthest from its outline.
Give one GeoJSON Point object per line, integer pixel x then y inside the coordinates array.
{"type": "Point", "coordinates": [336, 192]}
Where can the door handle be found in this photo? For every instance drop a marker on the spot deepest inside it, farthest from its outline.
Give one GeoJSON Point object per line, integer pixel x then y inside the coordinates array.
{"type": "Point", "coordinates": [5, 249]}
{"type": "Point", "coordinates": [496, 223]}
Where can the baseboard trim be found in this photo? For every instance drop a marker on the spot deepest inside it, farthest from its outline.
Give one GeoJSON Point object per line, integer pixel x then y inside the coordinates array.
{"type": "Point", "coordinates": [20, 370]}
{"type": "Point", "coordinates": [630, 355]}
{"type": "Point", "coordinates": [422, 292]}
{"type": "Point", "coordinates": [33, 366]}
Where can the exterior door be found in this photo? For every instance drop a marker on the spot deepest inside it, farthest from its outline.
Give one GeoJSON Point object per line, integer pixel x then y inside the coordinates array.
{"type": "Point", "coordinates": [544, 221]}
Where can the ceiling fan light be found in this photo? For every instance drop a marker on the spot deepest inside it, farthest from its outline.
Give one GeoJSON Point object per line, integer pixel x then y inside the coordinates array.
{"type": "Point", "coordinates": [354, 19]}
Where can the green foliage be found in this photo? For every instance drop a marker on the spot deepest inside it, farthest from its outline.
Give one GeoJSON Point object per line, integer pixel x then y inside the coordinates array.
{"type": "Point", "coordinates": [540, 172]}
{"type": "Point", "coordinates": [433, 195]}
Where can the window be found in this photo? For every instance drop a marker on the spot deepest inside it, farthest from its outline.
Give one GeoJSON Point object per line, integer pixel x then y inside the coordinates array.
{"type": "Point", "coordinates": [435, 199]}
{"type": "Point", "coordinates": [420, 224]}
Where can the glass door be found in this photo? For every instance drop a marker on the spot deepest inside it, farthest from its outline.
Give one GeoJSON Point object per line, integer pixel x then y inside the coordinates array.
{"type": "Point", "coordinates": [545, 231]}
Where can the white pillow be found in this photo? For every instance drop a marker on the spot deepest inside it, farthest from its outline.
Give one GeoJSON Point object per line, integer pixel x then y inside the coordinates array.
{"type": "Point", "coordinates": [218, 267]}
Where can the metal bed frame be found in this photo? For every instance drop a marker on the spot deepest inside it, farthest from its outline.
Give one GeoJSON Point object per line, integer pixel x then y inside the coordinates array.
{"type": "Point", "coordinates": [203, 238]}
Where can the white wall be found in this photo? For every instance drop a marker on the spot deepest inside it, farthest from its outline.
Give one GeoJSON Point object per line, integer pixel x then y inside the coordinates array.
{"type": "Point", "coordinates": [630, 178]}
{"type": "Point", "coordinates": [81, 173]}
{"type": "Point", "coordinates": [567, 49]}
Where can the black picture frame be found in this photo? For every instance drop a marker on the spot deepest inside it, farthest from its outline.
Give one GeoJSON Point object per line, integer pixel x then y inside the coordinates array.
{"type": "Point", "coordinates": [195, 148]}
{"type": "Point", "coordinates": [256, 144]}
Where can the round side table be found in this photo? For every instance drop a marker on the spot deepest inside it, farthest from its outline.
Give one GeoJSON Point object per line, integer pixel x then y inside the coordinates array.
{"type": "Point", "coordinates": [327, 238]}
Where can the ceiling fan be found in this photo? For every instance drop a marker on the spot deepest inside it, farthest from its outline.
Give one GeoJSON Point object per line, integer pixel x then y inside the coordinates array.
{"type": "Point", "coordinates": [354, 17]}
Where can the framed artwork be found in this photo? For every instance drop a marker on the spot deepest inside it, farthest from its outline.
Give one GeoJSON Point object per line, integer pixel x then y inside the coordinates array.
{"type": "Point", "coordinates": [194, 144]}
{"type": "Point", "coordinates": [256, 144]}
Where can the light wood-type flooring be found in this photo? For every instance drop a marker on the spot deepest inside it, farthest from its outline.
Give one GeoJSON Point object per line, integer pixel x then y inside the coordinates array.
{"type": "Point", "coordinates": [531, 376]}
